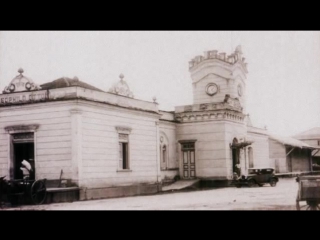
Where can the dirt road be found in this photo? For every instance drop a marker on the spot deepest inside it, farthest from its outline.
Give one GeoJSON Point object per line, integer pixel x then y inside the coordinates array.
{"type": "Point", "coordinates": [281, 197]}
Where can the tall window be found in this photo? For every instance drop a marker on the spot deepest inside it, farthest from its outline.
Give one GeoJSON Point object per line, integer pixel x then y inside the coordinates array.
{"type": "Point", "coordinates": [124, 149]}
{"type": "Point", "coordinates": [164, 152]}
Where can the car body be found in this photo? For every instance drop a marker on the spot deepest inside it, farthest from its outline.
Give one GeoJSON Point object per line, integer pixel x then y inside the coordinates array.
{"type": "Point", "coordinates": [257, 176]}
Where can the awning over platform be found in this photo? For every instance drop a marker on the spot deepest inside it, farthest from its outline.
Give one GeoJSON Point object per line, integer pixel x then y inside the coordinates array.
{"type": "Point", "coordinates": [241, 144]}
{"type": "Point", "coordinates": [291, 142]}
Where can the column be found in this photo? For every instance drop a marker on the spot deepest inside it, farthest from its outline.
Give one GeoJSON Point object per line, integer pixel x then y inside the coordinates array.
{"type": "Point", "coordinates": [76, 151]}
{"type": "Point", "coordinates": [158, 152]}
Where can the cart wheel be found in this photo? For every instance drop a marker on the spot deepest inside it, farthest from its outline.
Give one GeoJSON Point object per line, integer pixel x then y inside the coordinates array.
{"type": "Point", "coordinates": [313, 205]}
{"type": "Point", "coordinates": [310, 206]}
{"type": "Point", "coordinates": [273, 182]}
{"type": "Point", "coordinates": [251, 183]}
{"type": "Point", "coordinates": [38, 192]}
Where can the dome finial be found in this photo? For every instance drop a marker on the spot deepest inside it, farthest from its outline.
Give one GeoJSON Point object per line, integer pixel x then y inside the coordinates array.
{"type": "Point", "coordinates": [121, 88]}
{"type": "Point", "coordinates": [154, 99]}
{"type": "Point", "coordinates": [20, 70]}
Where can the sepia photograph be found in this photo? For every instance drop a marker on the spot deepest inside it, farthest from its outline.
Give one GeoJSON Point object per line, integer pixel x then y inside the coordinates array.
{"type": "Point", "coordinates": [160, 120]}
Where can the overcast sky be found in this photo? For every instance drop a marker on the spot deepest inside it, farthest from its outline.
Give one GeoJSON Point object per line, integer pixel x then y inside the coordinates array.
{"type": "Point", "coordinates": [283, 83]}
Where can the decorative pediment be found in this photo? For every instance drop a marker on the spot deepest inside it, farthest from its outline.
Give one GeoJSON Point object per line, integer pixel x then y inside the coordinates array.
{"type": "Point", "coordinates": [226, 74]}
{"type": "Point", "coordinates": [121, 88]}
{"type": "Point", "coordinates": [22, 128]}
{"type": "Point", "coordinates": [211, 115]}
{"type": "Point", "coordinates": [123, 129]}
{"type": "Point", "coordinates": [21, 84]}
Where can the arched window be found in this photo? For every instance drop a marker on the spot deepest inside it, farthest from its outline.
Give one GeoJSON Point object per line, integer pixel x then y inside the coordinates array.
{"type": "Point", "coordinates": [164, 153]}
{"type": "Point", "coordinates": [163, 157]}
{"type": "Point", "coordinates": [250, 155]}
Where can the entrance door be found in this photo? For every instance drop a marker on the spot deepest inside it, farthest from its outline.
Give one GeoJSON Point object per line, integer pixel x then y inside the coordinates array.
{"type": "Point", "coordinates": [188, 160]}
{"type": "Point", "coordinates": [236, 158]}
{"type": "Point", "coordinates": [23, 149]}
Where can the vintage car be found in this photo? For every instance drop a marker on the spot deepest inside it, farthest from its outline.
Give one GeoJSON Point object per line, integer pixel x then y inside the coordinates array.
{"type": "Point", "coordinates": [257, 176]}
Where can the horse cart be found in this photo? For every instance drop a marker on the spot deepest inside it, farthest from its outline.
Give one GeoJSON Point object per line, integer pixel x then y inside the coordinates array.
{"type": "Point", "coordinates": [308, 193]}
{"type": "Point", "coordinates": [22, 191]}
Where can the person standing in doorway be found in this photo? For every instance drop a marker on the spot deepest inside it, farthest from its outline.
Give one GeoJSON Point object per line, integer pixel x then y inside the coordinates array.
{"type": "Point", "coordinates": [238, 169]}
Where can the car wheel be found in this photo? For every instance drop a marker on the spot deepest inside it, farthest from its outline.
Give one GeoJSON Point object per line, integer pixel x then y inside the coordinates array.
{"type": "Point", "coordinates": [251, 183]}
{"type": "Point", "coordinates": [238, 185]}
{"type": "Point", "coordinates": [273, 182]}
{"type": "Point", "coordinates": [260, 185]}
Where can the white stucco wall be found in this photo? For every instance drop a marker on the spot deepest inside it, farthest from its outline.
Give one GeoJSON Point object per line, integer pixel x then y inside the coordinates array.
{"type": "Point", "coordinates": [100, 146]}
{"type": "Point", "coordinates": [52, 139]}
{"type": "Point", "coordinates": [168, 131]}
{"type": "Point", "coordinates": [213, 153]}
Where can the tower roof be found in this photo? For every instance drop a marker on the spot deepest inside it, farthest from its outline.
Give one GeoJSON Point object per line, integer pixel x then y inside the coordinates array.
{"type": "Point", "coordinates": [235, 57]}
{"type": "Point", "coordinates": [68, 82]}
{"type": "Point", "coordinates": [313, 133]}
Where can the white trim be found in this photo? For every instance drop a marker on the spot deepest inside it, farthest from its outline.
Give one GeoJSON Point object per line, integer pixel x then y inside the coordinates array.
{"type": "Point", "coordinates": [21, 128]}
{"type": "Point", "coordinates": [158, 165]}
{"type": "Point", "coordinates": [76, 145]}
{"type": "Point", "coordinates": [126, 131]}
{"type": "Point", "coordinates": [123, 129]}
{"type": "Point", "coordinates": [124, 170]}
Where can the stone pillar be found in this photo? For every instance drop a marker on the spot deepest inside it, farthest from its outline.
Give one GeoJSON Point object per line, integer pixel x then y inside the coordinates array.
{"type": "Point", "coordinates": [76, 150]}
{"type": "Point", "coordinates": [242, 161]}
{"type": "Point", "coordinates": [246, 161]}
{"type": "Point", "coordinates": [158, 152]}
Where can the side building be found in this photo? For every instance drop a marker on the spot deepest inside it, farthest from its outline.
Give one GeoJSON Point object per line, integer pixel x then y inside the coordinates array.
{"type": "Point", "coordinates": [312, 138]}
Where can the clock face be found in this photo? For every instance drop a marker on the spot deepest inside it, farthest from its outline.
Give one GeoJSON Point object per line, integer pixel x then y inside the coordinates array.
{"type": "Point", "coordinates": [212, 89]}
{"type": "Point", "coordinates": [239, 90]}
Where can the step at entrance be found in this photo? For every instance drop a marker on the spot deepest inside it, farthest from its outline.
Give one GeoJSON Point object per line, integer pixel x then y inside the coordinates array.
{"type": "Point", "coordinates": [181, 184]}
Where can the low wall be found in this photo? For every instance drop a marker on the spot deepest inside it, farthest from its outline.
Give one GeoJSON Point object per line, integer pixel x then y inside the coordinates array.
{"type": "Point", "coordinates": [119, 191]}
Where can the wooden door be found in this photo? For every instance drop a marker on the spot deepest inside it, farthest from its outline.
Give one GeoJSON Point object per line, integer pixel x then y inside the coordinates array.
{"type": "Point", "coordinates": [188, 161]}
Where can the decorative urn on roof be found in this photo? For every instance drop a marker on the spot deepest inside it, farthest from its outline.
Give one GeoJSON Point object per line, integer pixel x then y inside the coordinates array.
{"type": "Point", "coordinates": [21, 84]}
{"type": "Point", "coordinates": [121, 88]}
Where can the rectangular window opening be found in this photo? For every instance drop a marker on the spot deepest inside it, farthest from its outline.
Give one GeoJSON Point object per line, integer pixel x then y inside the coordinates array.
{"type": "Point", "coordinates": [123, 151]}
{"type": "Point", "coordinates": [125, 164]}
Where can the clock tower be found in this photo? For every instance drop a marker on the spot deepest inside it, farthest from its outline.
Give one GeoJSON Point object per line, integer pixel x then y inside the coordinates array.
{"type": "Point", "coordinates": [216, 75]}
{"type": "Point", "coordinates": [212, 131]}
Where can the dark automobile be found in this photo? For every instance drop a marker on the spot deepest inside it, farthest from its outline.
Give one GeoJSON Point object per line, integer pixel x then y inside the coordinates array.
{"type": "Point", "coordinates": [257, 176]}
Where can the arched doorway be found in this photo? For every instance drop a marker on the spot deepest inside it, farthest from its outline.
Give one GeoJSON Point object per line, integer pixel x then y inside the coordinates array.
{"type": "Point", "coordinates": [235, 158]}
{"type": "Point", "coordinates": [164, 151]}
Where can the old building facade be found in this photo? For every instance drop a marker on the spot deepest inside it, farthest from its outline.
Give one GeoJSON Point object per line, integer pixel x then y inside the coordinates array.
{"type": "Point", "coordinates": [110, 144]}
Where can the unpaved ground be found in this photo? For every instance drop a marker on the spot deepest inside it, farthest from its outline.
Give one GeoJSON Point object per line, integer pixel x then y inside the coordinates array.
{"type": "Point", "coordinates": [281, 197]}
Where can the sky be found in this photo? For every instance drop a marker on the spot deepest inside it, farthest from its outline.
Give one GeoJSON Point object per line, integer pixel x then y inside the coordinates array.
{"type": "Point", "coordinates": [283, 81]}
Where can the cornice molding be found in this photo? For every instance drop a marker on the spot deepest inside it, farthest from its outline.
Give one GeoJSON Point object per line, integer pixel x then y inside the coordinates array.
{"type": "Point", "coordinates": [21, 128]}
